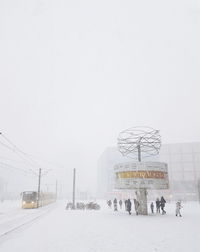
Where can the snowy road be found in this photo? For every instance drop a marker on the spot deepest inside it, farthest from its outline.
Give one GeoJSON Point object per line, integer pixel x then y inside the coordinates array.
{"type": "Point", "coordinates": [12, 217]}
{"type": "Point", "coordinates": [107, 231]}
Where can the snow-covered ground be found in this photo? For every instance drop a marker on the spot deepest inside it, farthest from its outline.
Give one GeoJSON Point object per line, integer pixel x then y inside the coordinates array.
{"type": "Point", "coordinates": [60, 230]}
{"type": "Point", "coordinates": [12, 216]}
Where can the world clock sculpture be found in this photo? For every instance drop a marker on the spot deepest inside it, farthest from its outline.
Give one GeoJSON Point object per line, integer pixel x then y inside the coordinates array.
{"type": "Point", "coordinates": [138, 143]}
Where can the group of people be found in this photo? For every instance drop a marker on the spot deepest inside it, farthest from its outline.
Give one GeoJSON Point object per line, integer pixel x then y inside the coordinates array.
{"type": "Point", "coordinates": [109, 202]}
{"type": "Point", "coordinates": [159, 203]}
{"type": "Point", "coordinates": [128, 205]}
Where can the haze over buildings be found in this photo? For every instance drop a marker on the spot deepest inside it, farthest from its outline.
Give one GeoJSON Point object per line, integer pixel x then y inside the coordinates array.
{"type": "Point", "coordinates": [73, 74]}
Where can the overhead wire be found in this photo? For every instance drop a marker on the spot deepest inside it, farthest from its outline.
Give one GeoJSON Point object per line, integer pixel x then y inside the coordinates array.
{"type": "Point", "coordinates": [16, 168]}
{"type": "Point", "coordinates": [19, 150]}
{"type": "Point", "coordinates": [50, 163]}
{"type": "Point", "coordinates": [26, 157]}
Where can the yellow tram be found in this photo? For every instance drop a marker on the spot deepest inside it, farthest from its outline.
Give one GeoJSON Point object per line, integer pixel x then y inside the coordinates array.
{"type": "Point", "coordinates": [30, 199]}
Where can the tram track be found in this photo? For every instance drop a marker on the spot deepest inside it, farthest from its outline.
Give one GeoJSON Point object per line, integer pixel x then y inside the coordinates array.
{"type": "Point", "coordinates": [26, 222]}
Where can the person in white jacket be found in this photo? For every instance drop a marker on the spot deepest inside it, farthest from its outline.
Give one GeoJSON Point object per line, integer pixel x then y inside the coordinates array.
{"type": "Point", "coordinates": [178, 208]}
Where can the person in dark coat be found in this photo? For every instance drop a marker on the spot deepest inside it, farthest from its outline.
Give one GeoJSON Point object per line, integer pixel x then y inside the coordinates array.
{"type": "Point", "coordinates": [125, 202]}
{"type": "Point", "coordinates": [162, 205]}
{"type": "Point", "coordinates": [152, 207]}
{"type": "Point", "coordinates": [109, 202]}
{"type": "Point", "coordinates": [157, 205]}
{"type": "Point", "coordinates": [120, 203]}
{"type": "Point", "coordinates": [128, 205]}
{"type": "Point", "coordinates": [115, 204]}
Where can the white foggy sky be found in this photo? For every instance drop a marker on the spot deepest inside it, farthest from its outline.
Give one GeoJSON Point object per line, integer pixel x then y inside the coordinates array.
{"type": "Point", "coordinates": [73, 74]}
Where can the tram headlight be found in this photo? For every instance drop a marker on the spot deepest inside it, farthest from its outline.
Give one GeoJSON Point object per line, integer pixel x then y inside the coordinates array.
{"type": "Point", "coordinates": [32, 202]}
{"type": "Point", "coordinates": [24, 202]}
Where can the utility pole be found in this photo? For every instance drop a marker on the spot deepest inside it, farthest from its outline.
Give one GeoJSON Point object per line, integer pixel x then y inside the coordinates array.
{"type": "Point", "coordinates": [139, 150]}
{"type": "Point", "coordinates": [39, 181]}
{"type": "Point", "coordinates": [74, 182]}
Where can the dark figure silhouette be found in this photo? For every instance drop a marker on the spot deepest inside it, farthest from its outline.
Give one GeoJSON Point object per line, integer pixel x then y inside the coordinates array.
{"type": "Point", "coordinates": [129, 206]}
{"type": "Point", "coordinates": [125, 202]}
{"type": "Point", "coordinates": [115, 204]}
{"type": "Point", "coordinates": [136, 204]}
{"type": "Point", "coordinates": [157, 205]}
{"type": "Point", "coordinates": [162, 205]}
{"type": "Point", "coordinates": [109, 202]}
{"type": "Point", "coordinates": [152, 207]}
{"type": "Point", "coordinates": [120, 203]}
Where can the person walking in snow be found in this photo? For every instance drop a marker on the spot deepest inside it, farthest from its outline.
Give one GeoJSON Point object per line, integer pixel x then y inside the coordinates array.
{"type": "Point", "coordinates": [157, 205]}
{"type": "Point", "coordinates": [115, 204]}
{"type": "Point", "coordinates": [162, 205]}
{"type": "Point", "coordinates": [152, 207]}
{"type": "Point", "coordinates": [109, 202]}
{"type": "Point", "coordinates": [128, 205]}
{"type": "Point", "coordinates": [120, 203]}
{"type": "Point", "coordinates": [136, 204]}
{"type": "Point", "coordinates": [178, 209]}
{"type": "Point", "coordinates": [125, 203]}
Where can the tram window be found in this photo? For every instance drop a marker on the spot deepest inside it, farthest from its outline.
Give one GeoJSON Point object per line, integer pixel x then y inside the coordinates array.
{"type": "Point", "coordinates": [29, 196]}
